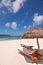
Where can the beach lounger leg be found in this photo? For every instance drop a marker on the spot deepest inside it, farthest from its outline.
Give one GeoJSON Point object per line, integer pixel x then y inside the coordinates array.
{"type": "Point", "coordinates": [28, 55]}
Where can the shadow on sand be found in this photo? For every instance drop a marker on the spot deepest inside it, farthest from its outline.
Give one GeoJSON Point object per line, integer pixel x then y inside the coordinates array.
{"type": "Point", "coordinates": [28, 60]}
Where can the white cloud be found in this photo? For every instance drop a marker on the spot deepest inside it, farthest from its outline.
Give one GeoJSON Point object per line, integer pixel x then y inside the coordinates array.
{"type": "Point", "coordinates": [7, 24]}
{"type": "Point", "coordinates": [6, 3]}
{"type": "Point", "coordinates": [29, 27]}
{"type": "Point", "coordinates": [0, 5]}
{"type": "Point", "coordinates": [35, 14]}
{"type": "Point", "coordinates": [3, 12]}
{"type": "Point", "coordinates": [17, 4]}
{"type": "Point", "coordinates": [14, 6]}
{"type": "Point", "coordinates": [38, 19]}
{"type": "Point", "coordinates": [25, 27]}
{"type": "Point", "coordinates": [14, 25]}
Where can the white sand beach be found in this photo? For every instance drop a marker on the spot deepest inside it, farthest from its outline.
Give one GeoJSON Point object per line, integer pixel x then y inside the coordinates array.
{"type": "Point", "coordinates": [9, 53]}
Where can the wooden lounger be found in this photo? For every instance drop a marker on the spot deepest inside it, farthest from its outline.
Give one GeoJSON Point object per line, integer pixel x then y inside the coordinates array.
{"type": "Point", "coordinates": [28, 47]}
{"type": "Point", "coordinates": [33, 56]}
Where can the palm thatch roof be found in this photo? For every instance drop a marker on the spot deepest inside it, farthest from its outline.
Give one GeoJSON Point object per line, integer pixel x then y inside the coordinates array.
{"type": "Point", "coordinates": [33, 33]}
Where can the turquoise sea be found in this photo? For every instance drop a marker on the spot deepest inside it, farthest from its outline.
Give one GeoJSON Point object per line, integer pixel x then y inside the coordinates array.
{"type": "Point", "coordinates": [10, 37]}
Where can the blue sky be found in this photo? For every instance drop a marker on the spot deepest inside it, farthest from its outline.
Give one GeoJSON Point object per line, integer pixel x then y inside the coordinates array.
{"type": "Point", "coordinates": [17, 16]}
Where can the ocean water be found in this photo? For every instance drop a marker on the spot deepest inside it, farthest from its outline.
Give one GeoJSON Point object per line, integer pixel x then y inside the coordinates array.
{"type": "Point", "coordinates": [10, 37]}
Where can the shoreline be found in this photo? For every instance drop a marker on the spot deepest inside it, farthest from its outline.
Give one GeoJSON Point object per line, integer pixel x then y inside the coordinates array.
{"type": "Point", "coordinates": [17, 39]}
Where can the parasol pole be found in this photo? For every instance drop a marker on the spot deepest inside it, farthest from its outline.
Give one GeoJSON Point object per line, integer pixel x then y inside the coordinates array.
{"type": "Point", "coordinates": [38, 44]}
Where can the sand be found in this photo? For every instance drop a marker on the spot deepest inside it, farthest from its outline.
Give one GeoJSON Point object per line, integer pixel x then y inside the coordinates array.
{"type": "Point", "coordinates": [9, 53]}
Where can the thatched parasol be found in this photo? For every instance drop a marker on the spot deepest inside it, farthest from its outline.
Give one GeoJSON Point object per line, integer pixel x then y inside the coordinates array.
{"type": "Point", "coordinates": [34, 33]}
